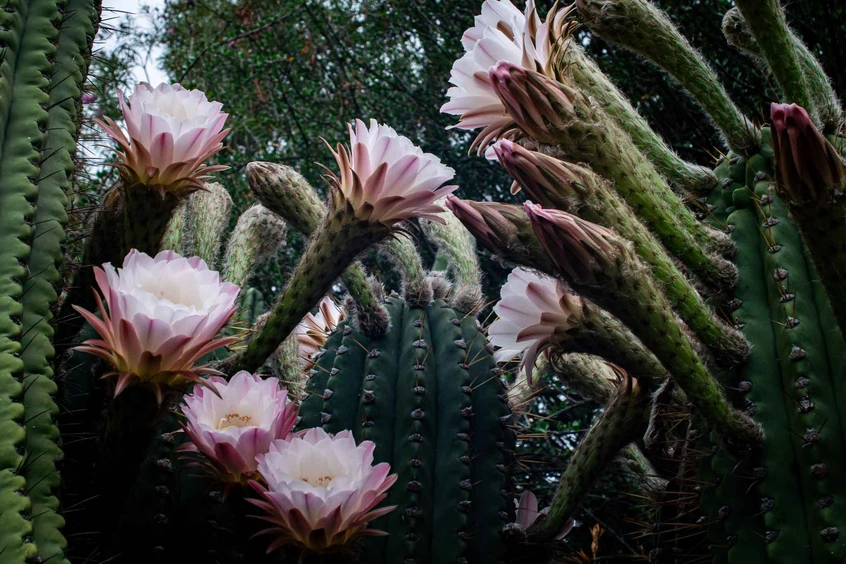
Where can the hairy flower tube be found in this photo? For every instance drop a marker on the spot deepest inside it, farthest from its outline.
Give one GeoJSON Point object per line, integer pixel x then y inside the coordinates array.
{"type": "Point", "coordinates": [320, 490]}
{"type": "Point", "coordinates": [170, 133]}
{"type": "Point", "coordinates": [163, 315]}
{"type": "Point", "coordinates": [534, 314]}
{"type": "Point", "coordinates": [236, 424]}
{"type": "Point", "coordinates": [500, 33]}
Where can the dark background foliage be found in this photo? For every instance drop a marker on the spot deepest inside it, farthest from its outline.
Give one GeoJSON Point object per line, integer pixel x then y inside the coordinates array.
{"type": "Point", "coordinates": [292, 73]}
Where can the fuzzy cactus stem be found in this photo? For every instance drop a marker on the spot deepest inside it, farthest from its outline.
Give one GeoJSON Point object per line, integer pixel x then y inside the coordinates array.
{"type": "Point", "coordinates": [625, 420]}
{"type": "Point", "coordinates": [334, 246]}
{"type": "Point", "coordinates": [416, 289]}
{"type": "Point", "coordinates": [575, 189]}
{"type": "Point", "coordinates": [288, 194]}
{"type": "Point", "coordinates": [768, 25]}
{"type": "Point", "coordinates": [600, 265]}
{"type": "Point", "coordinates": [589, 77]}
{"type": "Point", "coordinates": [641, 27]}
{"type": "Point", "coordinates": [826, 104]}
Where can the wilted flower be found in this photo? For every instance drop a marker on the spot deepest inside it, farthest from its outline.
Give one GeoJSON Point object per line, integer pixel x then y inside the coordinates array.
{"type": "Point", "coordinates": [163, 315]}
{"type": "Point", "coordinates": [385, 178]}
{"type": "Point", "coordinates": [238, 423]}
{"type": "Point", "coordinates": [500, 33]}
{"type": "Point", "coordinates": [313, 330]}
{"type": "Point", "coordinates": [534, 314]}
{"type": "Point", "coordinates": [321, 490]}
{"type": "Point", "coordinates": [170, 133]}
{"type": "Point", "coordinates": [527, 514]}
{"type": "Point", "coordinates": [808, 167]}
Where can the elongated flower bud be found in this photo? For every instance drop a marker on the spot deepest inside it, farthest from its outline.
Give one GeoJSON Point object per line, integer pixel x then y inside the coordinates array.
{"type": "Point", "coordinates": [503, 229]}
{"type": "Point", "coordinates": [285, 192]}
{"type": "Point", "coordinates": [808, 168]}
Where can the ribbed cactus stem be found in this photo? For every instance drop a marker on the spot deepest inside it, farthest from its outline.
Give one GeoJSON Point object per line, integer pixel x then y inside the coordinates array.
{"type": "Point", "coordinates": [641, 27]}
{"type": "Point", "coordinates": [453, 239]}
{"type": "Point", "coordinates": [416, 288]}
{"type": "Point", "coordinates": [258, 235]}
{"type": "Point", "coordinates": [590, 78]}
{"type": "Point", "coordinates": [175, 233]}
{"type": "Point", "coordinates": [826, 104]}
{"type": "Point", "coordinates": [600, 265]}
{"type": "Point", "coordinates": [208, 216]}
{"type": "Point", "coordinates": [286, 362]}
{"type": "Point", "coordinates": [768, 26]}
{"type": "Point", "coordinates": [286, 193]}
{"type": "Point", "coordinates": [335, 245]}
{"type": "Point", "coordinates": [588, 375]}
{"type": "Point", "coordinates": [624, 420]}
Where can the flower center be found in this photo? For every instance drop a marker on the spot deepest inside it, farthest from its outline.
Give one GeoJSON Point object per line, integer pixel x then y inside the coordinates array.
{"type": "Point", "coordinates": [317, 481]}
{"type": "Point", "coordinates": [234, 420]}
{"type": "Point", "coordinates": [164, 289]}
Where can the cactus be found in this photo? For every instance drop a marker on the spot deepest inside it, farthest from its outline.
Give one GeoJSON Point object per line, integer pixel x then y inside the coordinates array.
{"type": "Point", "coordinates": [752, 478]}
{"type": "Point", "coordinates": [428, 394]}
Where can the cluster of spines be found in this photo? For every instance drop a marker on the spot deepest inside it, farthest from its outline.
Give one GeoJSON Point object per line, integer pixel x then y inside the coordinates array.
{"type": "Point", "coordinates": [431, 398]}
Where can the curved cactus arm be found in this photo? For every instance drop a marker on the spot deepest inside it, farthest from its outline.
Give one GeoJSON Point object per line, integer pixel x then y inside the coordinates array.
{"type": "Point", "coordinates": [175, 235]}
{"type": "Point", "coordinates": [768, 26]}
{"type": "Point", "coordinates": [78, 24]}
{"type": "Point", "coordinates": [641, 27]}
{"type": "Point", "coordinates": [416, 288]}
{"type": "Point", "coordinates": [457, 244]}
{"type": "Point", "coordinates": [589, 77]}
{"type": "Point", "coordinates": [826, 104]}
{"type": "Point", "coordinates": [625, 419]}
{"type": "Point", "coordinates": [286, 193]}
{"type": "Point", "coordinates": [258, 234]}
{"type": "Point", "coordinates": [208, 216]}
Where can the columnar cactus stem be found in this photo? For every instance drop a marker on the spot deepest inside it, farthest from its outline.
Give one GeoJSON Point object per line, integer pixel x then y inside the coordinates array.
{"type": "Point", "coordinates": [600, 265]}
{"type": "Point", "coordinates": [640, 26]}
{"type": "Point", "coordinates": [826, 104]}
{"type": "Point", "coordinates": [175, 235]}
{"type": "Point", "coordinates": [208, 216]}
{"type": "Point", "coordinates": [624, 420]}
{"type": "Point", "coordinates": [768, 26]}
{"type": "Point", "coordinates": [584, 133]}
{"type": "Point", "coordinates": [571, 188]}
{"type": "Point", "coordinates": [591, 80]}
{"type": "Point", "coordinates": [453, 239]}
{"type": "Point", "coordinates": [285, 192]}
{"type": "Point", "coordinates": [258, 235]}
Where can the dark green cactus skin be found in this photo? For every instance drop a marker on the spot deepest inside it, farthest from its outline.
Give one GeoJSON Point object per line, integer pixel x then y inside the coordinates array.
{"type": "Point", "coordinates": [430, 397]}
{"type": "Point", "coordinates": [45, 46]}
{"type": "Point", "coordinates": [785, 503]}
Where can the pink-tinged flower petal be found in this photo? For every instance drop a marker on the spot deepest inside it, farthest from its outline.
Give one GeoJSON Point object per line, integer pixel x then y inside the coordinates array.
{"type": "Point", "coordinates": [170, 132]}
{"type": "Point", "coordinates": [163, 313]}
{"type": "Point", "coordinates": [321, 489]}
{"type": "Point", "coordinates": [534, 313]}
{"type": "Point", "coordinates": [386, 178]}
{"type": "Point", "coordinates": [500, 33]}
{"type": "Point", "coordinates": [236, 426]}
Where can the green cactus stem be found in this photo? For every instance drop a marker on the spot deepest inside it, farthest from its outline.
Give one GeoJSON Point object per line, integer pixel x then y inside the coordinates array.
{"type": "Point", "coordinates": [175, 236]}
{"type": "Point", "coordinates": [600, 266]}
{"type": "Point", "coordinates": [258, 235]}
{"type": "Point", "coordinates": [208, 216]}
{"type": "Point", "coordinates": [692, 178]}
{"type": "Point", "coordinates": [768, 26]}
{"type": "Point", "coordinates": [430, 396]}
{"type": "Point", "coordinates": [331, 249]}
{"type": "Point", "coordinates": [78, 24]}
{"type": "Point", "coordinates": [624, 420]}
{"type": "Point", "coordinates": [826, 104]}
{"type": "Point", "coordinates": [401, 251]}
{"type": "Point", "coordinates": [458, 246]}
{"type": "Point", "coordinates": [286, 193]}
{"type": "Point", "coordinates": [641, 27]}
{"type": "Point", "coordinates": [590, 136]}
